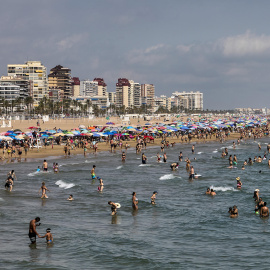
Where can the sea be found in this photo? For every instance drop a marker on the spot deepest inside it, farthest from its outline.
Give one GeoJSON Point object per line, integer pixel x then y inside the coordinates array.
{"type": "Point", "coordinates": [186, 229]}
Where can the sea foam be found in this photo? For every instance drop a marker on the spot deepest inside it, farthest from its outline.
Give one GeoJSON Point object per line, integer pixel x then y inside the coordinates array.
{"type": "Point", "coordinates": [64, 185]}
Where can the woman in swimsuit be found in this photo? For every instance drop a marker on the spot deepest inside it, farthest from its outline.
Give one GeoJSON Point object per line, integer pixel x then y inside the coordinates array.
{"type": "Point", "coordinates": [44, 189]}
{"type": "Point", "coordinates": [134, 201]}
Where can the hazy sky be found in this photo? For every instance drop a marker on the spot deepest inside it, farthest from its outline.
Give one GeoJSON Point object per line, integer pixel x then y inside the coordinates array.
{"type": "Point", "coordinates": [221, 48]}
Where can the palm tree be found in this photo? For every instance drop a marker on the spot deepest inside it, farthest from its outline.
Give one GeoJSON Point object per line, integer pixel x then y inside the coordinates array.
{"type": "Point", "coordinates": [29, 103]}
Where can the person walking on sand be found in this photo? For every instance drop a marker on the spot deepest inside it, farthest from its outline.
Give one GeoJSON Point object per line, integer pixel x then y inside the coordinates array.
{"type": "Point", "coordinates": [43, 188]}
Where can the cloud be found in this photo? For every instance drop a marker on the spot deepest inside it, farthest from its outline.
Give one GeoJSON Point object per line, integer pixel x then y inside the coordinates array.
{"type": "Point", "coordinates": [247, 44]}
{"type": "Point", "coordinates": [70, 41]}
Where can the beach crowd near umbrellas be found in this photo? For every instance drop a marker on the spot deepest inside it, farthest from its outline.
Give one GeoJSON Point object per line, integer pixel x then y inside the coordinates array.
{"type": "Point", "coordinates": [148, 129]}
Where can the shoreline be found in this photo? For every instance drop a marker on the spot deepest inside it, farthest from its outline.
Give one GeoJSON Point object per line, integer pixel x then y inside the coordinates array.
{"type": "Point", "coordinates": [58, 150]}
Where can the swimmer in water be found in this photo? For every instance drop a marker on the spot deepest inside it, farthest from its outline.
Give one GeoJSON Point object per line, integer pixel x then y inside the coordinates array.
{"type": "Point", "coordinates": [144, 158]}
{"type": "Point", "coordinates": [38, 169]}
{"type": "Point", "coordinates": [70, 198]}
{"type": "Point", "coordinates": [243, 167]}
{"type": "Point", "coordinates": [174, 166]}
{"type": "Point", "coordinates": [48, 236]}
{"type": "Point", "coordinates": [43, 189]}
{"type": "Point", "coordinates": [153, 197]}
{"type": "Point", "coordinates": [101, 185]}
{"type": "Point", "coordinates": [208, 191]}
{"type": "Point", "coordinates": [212, 192]}
{"type": "Point", "coordinates": [234, 212]}
{"type": "Point", "coordinates": [113, 207]}
{"type": "Point", "coordinates": [264, 212]}
{"type": "Point", "coordinates": [239, 183]}
{"type": "Point", "coordinates": [158, 157]}
{"type": "Point", "coordinates": [134, 201]}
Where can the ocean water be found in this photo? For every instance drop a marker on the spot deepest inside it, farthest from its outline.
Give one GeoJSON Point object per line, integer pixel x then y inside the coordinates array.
{"type": "Point", "coordinates": [184, 230]}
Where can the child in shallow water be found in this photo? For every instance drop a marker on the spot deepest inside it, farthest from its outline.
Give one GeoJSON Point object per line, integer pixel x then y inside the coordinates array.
{"type": "Point", "coordinates": [48, 236]}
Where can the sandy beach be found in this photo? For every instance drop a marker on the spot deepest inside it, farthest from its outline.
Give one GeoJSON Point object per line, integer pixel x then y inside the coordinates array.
{"type": "Point", "coordinates": [68, 124]}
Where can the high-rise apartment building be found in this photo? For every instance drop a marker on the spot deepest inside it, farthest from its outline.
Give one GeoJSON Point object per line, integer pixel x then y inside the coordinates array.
{"type": "Point", "coordinates": [97, 87]}
{"type": "Point", "coordinates": [134, 94]}
{"type": "Point", "coordinates": [25, 85]}
{"type": "Point", "coordinates": [148, 94]}
{"type": "Point", "coordinates": [122, 92]}
{"type": "Point", "coordinates": [101, 88]}
{"type": "Point", "coordinates": [75, 85]}
{"type": "Point", "coordinates": [190, 100]}
{"type": "Point", "coordinates": [60, 79]}
{"type": "Point", "coordinates": [34, 72]}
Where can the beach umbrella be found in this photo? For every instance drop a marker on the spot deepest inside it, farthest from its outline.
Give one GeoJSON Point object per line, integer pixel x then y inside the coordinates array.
{"type": "Point", "coordinates": [110, 123]}
{"type": "Point", "coordinates": [51, 131]}
{"type": "Point", "coordinates": [33, 128]}
{"type": "Point", "coordinates": [81, 126]}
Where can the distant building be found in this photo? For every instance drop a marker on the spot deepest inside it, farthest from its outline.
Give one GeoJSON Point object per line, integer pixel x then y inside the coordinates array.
{"type": "Point", "coordinates": [97, 87]}
{"type": "Point", "coordinates": [134, 94]}
{"type": "Point", "coordinates": [75, 86]}
{"type": "Point", "coordinates": [147, 94]}
{"type": "Point", "coordinates": [163, 102]}
{"type": "Point", "coordinates": [34, 72]}
{"type": "Point", "coordinates": [24, 84]}
{"type": "Point", "coordinates": [189, 100]}
{"type": "Point", "coordinates": [112, 97]}
{"type": "Point", "coordinates": [128, 93]}
{"type": "Point", "coordinates": [60, 78]}
{"type": "Point", "coordinates": [122, 93]}
{"type": "Point", "coordinates": [9, 92]}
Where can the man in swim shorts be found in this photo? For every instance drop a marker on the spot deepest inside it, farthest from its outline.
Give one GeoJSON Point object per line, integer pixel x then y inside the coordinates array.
{"type": "Point", "coordinates": [93, 175]}
{"type": "Point", "coordinates": [191, 173]}
{"type": "Point", "coordinates": [32, 230]}
{"type": "Point", "coordinates": [45, 166]}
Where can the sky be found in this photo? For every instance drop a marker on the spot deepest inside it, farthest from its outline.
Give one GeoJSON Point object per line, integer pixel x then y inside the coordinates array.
{"type": "Point", "coordinates": [220, 48]}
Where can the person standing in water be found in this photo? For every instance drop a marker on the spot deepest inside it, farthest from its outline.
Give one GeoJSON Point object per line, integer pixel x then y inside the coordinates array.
{"type": "Point", "coordinates": [9, 184]}
{"type": "Point", "coordinates": [45, 166]}
{"type": "Point", "coordinates": [180, 157]}
{"type": "Point", "coordinates": [123, 156]}
{"type": "Point", "coordinates": [264, 212]}
{"type": "Point", "coordinates": [48, 235]}
{"type": "Point", "coordinates": [164, 157]}
{"type": "Point", "coordinates": [43, 189]}
{"type": "Point", "coordinates": [239, 183]}
{"type": "Point", "coordinates": [153, 197]}
{"type": "Point", "coordinates": [12, 175]}
{"type": "Point", "coordinates": [134, 201]}
{"type": "Point", "coordinates": [144, 158]}
{"type": "Point", "coordinates": [101, 185]}
{"type": "Point", "coordinates": [191, 173]}
{"type": "Point", "coordinates": [113, 207]}
{"type": "Point", "coordinates": [32, 230]}
{"type": "Point", "coordinates": [93, 174]}
{"type": "Point", "coordinates": [193, 149]}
